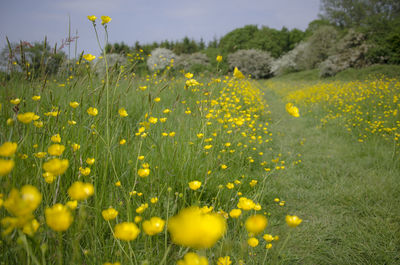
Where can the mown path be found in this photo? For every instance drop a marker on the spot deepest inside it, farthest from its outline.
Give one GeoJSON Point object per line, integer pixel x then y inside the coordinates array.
{"type": "Point", "coordinates": [347, 194]}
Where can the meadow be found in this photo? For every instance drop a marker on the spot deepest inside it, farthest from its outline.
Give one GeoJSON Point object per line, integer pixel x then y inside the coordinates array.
{"type": "Point", "coordinates": [176, 168]}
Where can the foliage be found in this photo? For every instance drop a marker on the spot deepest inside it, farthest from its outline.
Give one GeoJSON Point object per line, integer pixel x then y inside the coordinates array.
{"type": "Point", "coordinates": [251, 62]}
{"type": "Point", "coordinates": [195, 62]}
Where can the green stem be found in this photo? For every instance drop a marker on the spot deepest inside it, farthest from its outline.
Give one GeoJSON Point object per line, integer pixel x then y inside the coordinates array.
{"type": "Point", "coordinates": [164, 259]}
{"type": "Point", "coordinates": [28, 249]}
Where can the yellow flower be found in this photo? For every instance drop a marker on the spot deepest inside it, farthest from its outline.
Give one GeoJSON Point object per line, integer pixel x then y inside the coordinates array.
{"type": "Point", "coordinates": [92, 18]}
{"type": "Point", "coordinates": [122, 112]}
{"type": "Point", "coordinates": [73, 104]}
{"type": "Point", "coordinates": [142, 208]}
{"type": "Point", "coordinates": [8, 149]}
{"type": "Point", "coordinates": [71, 122]}
{"type": "Point", "coordinates": [245, 204]}
{"type": "Point", "coordinates": [157, 99]}
{"type": "Point", "coordinates": [26, 117]}
{"type": "Point", "coordinates": [23, 202]}
{"type": "Point", "coordinates": [126, 231]}
{"type": "Point", "coordinates": [268, 237]}
{"type": "Point", "coordinates": [122, 142]}
{"type": "Point", "coordinates": [192, 258]}
{"type": "Point", "coordinates": [224, 260]}
{"type": "Point", "coordinates": [92, 111]}
{"type": "Point", "coordinates": [219, 58]}
{"type": "Point", "coordinates": [153, 120]}
{"type": "Point", "coordinates": [90, 161]}
{"type": "Point", "coordinates": [84, 171]}
{"type": "Point", "coordinates": [58, 217]}
{"type": "Point", "coordinates": [80, 191]}
{"type": "Point", "coordinates": [31, 227]}
{"type": "Point", "coordinates": [224, 166]}
{"type": "Point", "coordinates": [230, 185]}
{"type": "Point", "coordinates": [56, 149]}
{"type": "Point", "coordinates": [15, 101]}
{"type": "Point", "coordinates": [10, 122]}
{"type": "Point", "coordinates": [253, 183]}
{"type": "Point", "coordinates": [56, 138]}
{"type": "Point", "coordinates": [235, 213]}
{"type": "Point", "coordinates": [38, 124]}
{"type": "Point", "coordinates": [207, 147]}
{"type": "Point", "coordinates": [153, 226]}
{"type": "Point", "coordinates": [72, 204]}
{"type": "Point", "coordinates": [143, 172]}
{"type": "Point", "coordinates": [6, 166]}
{"type": "Point", "coordinates": [293, 220]}
{"type": "Point", "coordinates": [154, 200]}
{"type": "Point", "coordinates": [105, 20]}
{"type": "Point", "coordinates": [188, 75]}
{"type": "Point", "coordinates": [117, 184]}
{"type": "Point", "coordinates": [109, 214]}
{"type": "Point", "coordinates": [36, 98]}
{"type": "Point", "coordinates": [193, 228]}
{"type": "Point", "coordinates": [89, 57]}
{"type": "Point", "coordinates": [292, 110]}
{"type": "Point", "coordinates": [40, 154]}
{"type": "Point", "coordinates": [75, 147]}
{"type": "Point", "coordinates": [137, 219]}
{"type": "Point", "coordinates": [253, 242]}
{"type": "Point", "coordinates": [194, 185]}
{"type": "Point", "coordinates": [255, 224]}
{"type": "Point", "coordinates": [48, 177]}
{"type": "Point", "coordinates": [268, 246]}
{"type": "Point", "coordinates": [237, 73]}
{"type": "Point", "coordinates": [143, 88]}
{"type": "Point", "coordinates": [56, 166]}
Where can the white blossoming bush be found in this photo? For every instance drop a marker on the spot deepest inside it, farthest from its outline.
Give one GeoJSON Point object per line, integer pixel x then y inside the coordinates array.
{"type": "Point", "coordinates": [251, 62]}
{"type": "Point", "coordinates": [160, 58]}
{"type": "Point", "coordinates": [114, 60]}
{"type": "Point", "coordinates": [193, 62]}
{"type": "Point", "coordinates": [289, 62]}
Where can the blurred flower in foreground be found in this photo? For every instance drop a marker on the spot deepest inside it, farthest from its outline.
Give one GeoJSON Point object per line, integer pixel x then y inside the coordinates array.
{"type": "Point", "coordinates": [219, 58]}
{"type": "Point", "coordinates": [126, 231]}
{"type": "Point", "coordinates": [191, 227]}
{"type": "Point", "coordinates": [58, 217]}
{"type": "Point", "coordinates": [255, 224]}
{"type": "Point", "coordinates": [109, 214]}
{"type": "Point", "coordinates": [89, 57]}
{"type": "Point", "coordinates": [237, 73]}
{"type": "Point", "coordinates": [8, 149]}
{"type": "Point", "coordinates": [192, 258]}
{"type": "Point", "coordinates": [292, 110]}
{"type": "Point", "coordinates": [153, 226]}
{"type": "Point", "coordinates": [224, 260]}
{"type": "Point", "coordinates": [80, 191]}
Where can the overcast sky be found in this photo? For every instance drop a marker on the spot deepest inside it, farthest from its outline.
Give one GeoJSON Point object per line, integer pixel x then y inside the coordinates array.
{"type": "Point", "coordinates": [146, 20]}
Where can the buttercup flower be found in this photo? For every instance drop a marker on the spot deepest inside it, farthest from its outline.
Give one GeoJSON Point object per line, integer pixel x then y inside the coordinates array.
{"type": "Point", "coordinates": [92, 111]}
{"type": "Point", "coordinates": [74, 104]}
{"type": "Point", "coordinates": [253, 242]}
{"type": "Point", "coordinates": [105, 20]}
{"type": "Point", "coordinates": [245, 204]}
{"type": "Point", "coordinates": [194, 185]}
{"type": "Point", "coordinates": [193, 228]}
{"type": "Point", "coordinates": [58, 217]}
{"type": "Point", "coordinates": [109, 214]}
{"type": "Point", "coordinates": [56, 166]}
{"type": "Point", "coordinates": [235, 213]}
{"type": "Point", "coordinates": [15, 101]}
{"type": "Point", "coordinates": [126, 231]}
{"type": "Point", "coordinates": [192, 258]}
{"type": "Point", "coordinates": [89, 57]}
{"type": "Point", "coordinates": [6, 166]}
{"type": "Point", "coordinates": [292, 110]}
{"type": "Point", "coordinates": [143, 172]}
{"type": "Point", "coordinates": [56, 149]}
{"type": "Point", "coordinates": [92, 18]}
{"type": "Point", "coordinates": [219, 58]}
{"type": "Point", "coordinates": [90, 161]}
{"type": "Point", "coordinates": [26, 117]}
{"type": "Point", "coordinates": [36, 98]}
{"type": "Point", "coordinates": [238, 74]}
{"type": "Point", "coordinates": [8, 149]}
{"type": "Point", "coordinates": [56, 138]}
{"type": "Point", "coordinates": [153, 226]}
{"type": "Point", "coordinates": [122, 112]}
{"type": "Point", "coordinates": [255, 224]}
{"type": "Point", "coordinates": [80, 191]}
{"type": "Point", "coordinates": [293, 220]}
{"type": "Point", "coordinates": [224, 260]}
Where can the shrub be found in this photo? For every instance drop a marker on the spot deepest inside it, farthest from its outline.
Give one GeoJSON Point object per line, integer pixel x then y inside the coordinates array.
{"type": "Point", "coordinates": [114, 60]}
{"type": "Point", "coordinates": [289, 61]}
{"type": "Point", "coordinates": [160, 58]}
{"type": "Point", "coordinates": [195, 62]}
{"type": "Point", "coordinates": [251, 62]}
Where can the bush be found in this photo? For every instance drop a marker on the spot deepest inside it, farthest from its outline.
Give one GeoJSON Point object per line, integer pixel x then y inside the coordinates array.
{"type": "Point", "coordinates": [194, 62]}
{"type": "Point", "coordinates": [289, 61]}
{"type": "Point", "coordinates": [350, 51]}
{"type": "Point", "coordinates": [160, 58]}
{"type": "Point", "coordinates": [114, 61]}
{"type": "Point", "coordinates": [251, 62]}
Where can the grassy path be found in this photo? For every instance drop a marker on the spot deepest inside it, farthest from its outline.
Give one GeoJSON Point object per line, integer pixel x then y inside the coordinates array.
{"type": "Point", "coordinates": [348, 194]}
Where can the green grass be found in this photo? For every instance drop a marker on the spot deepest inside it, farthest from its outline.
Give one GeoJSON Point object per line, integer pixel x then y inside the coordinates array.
{"type": "Point", "coordinates": [346, 191]}
{"type": "Point", "coordinates": [351, 74]}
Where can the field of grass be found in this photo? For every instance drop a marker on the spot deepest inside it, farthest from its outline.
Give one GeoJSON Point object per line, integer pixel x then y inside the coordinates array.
{"type": "Point", "coordinates": [180, 169]}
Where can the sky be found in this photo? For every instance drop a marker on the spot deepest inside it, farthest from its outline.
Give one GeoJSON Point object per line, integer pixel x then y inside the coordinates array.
{"type": "Point", "coordinates": [145, 20]}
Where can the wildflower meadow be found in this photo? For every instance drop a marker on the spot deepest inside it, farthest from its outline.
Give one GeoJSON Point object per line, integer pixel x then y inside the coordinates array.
{"type": "Point", "coordinates": [174, 167]}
